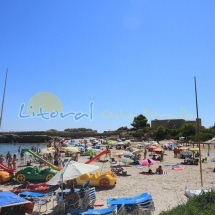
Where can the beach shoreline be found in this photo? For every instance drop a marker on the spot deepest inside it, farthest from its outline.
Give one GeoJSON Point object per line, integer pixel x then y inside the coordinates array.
{"type": "Point", "coordinates": [167, 190]}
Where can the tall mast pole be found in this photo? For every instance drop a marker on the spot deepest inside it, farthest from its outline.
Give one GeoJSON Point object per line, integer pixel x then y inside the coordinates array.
{"type": "Point", "coordinates": [2, 106]}
{"type": "Point", "coordinates": [197, 120]}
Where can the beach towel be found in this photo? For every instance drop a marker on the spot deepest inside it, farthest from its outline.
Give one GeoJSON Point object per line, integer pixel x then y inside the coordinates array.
{"type": "Point", "coordinates": [146, 173]}
{"type": "Point", "coordinates": [178, 168]}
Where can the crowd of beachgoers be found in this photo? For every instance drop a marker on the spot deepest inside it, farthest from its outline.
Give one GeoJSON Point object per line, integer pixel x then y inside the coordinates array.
{"type": "Point", "coordinates": [165, 179]}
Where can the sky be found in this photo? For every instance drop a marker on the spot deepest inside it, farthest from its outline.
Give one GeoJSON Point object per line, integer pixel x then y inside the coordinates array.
{"type": "Point", "coordinates": [98, 64]}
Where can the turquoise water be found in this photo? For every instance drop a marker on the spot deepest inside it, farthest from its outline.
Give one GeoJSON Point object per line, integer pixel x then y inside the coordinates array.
{"type": "Point", "coordinates": [13, 148]}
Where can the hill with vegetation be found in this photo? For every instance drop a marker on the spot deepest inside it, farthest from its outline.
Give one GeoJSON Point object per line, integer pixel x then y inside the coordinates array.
{"type": "Point", "coordinates": [140, 130]}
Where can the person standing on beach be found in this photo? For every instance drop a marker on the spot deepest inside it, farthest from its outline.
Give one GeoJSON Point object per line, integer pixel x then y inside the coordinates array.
{"type": "Point", "coordinates": [1, 159]}
{"type": "Point", "coordinates": [76, 157]}
{"type": "Point", "coordinates": [7, 156]}
{"type": "Point", "coordinates": [9, 161]}
{"type": "Point", "coordinates": [14, 161]}
{"type": "Point", "coordinates": [22, 155]}
{"type": "Point", "coordinates": [145, 153]}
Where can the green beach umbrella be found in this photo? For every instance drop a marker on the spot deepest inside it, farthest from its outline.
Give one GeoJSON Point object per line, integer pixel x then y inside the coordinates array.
{"type": "Point", "coordinates": [111, 142]}
{"type": "Point", "coordinates": [193, 149]}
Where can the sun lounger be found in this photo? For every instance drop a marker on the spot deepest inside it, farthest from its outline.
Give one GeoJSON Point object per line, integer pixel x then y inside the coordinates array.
{"type": "Point", "coordinates": [141, 202]}
{"type": "Point", "coordinates": [39, 199]}
{"type": "Point", "coordinates": [102, 211]}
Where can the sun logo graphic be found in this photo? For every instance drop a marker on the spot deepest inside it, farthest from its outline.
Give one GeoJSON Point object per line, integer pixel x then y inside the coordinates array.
{"type": "Point", "coordinates": [48, 106]}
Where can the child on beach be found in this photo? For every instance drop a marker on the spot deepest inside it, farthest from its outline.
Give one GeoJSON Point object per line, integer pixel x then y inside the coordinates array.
{"type": "Point", "coordinates": [159, 170]}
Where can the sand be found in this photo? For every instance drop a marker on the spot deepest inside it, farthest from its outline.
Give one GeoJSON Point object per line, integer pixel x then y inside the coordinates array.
{"type": "Point", "coordinates": [167, 190]}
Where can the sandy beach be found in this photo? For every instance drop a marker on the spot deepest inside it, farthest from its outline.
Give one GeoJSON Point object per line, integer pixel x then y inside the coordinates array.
{"type": "Point", "coordinates": [167, 189]}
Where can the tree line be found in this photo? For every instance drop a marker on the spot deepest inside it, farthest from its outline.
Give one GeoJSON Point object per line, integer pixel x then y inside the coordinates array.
{"type": "Point", "coordinates": [141, 129]}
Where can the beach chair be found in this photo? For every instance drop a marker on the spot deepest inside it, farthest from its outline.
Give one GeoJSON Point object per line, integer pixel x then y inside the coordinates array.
{"type": "Point", "coordinates": [103, 211]}
{"type": "Point", "coordinates": [39, 199]}
{"type": "Point", "coordinates": [92, 195]}
{"type": "Point", "coordinates": [133, 205]}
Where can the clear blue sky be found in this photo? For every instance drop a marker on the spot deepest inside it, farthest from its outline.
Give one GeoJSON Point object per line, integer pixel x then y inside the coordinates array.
{"type": "Point", "coordinates": [129, 57]}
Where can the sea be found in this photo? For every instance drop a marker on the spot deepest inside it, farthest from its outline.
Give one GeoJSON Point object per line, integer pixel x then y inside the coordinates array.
{"type": "Point", "coordinates": [14, 148]}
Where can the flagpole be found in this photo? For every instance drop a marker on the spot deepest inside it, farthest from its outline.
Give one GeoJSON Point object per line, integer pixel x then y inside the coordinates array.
{"type": "Point", "coordinates": [2, 106]}
{"type": "Point", "coordinates": [197, 120]}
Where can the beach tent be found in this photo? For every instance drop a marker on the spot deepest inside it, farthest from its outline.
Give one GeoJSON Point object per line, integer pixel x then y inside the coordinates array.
{"type": "Point", "coordinates": [10, 202]}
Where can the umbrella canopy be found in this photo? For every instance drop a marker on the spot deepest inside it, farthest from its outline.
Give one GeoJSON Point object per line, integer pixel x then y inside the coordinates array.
{"type": "Point", "coordinates": [147, 143]}
{"type": "Point", "coordinates": [127, 141]}
{"type": "Point", "coordinates": [136, 151]}
{"type": "Point", "coordinates": [158, 150]}
{"type": "Point", "coordinates": [185, 152]}
{"type": "Point", "coordinates": [118, 154]}
{"type": "Point", "coordinates": [111, 142]}
{"type": "Point", "coordinates": [193, 149]}
{"type": "Point", "coordinates": [126, 160]}
{"type": "Point", "coordinates": [152, 147]}
{"type": "Point", "coordinates": [72, 170]}
{"type": "Point", "coordinates": [183, 148]}
{"type": "Point", "coordinates": [127, 154]}
{"type": "Point", "coordinates": [72, 149]}
{"type": "Point", "coordinates": [147, 162]}
{"type": "Point", "coordinates": [120, 143]}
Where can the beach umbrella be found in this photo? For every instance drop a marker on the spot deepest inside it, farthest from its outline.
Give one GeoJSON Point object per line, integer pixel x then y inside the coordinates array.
{"type": "Point", "coordinates": [45, 151]}
{"type": "Point", "coordinates": [127, 154]}
{"type": "Point", "coordinates": [90, 153]}
{"type": "Point", "coordinates": [118, 154]}
{"type": "Point", "coordinates": [126, 160]}
{"type": "Point", "coordinates": [147, 143]}
{"type": "Point", "coordinates": [147, 162]}
{"type": "Point", "coordinates": [72, 149]}
{"type": "Point", "coordinates": [183, 148]}
{"type": "Point", "coordinates": [136, 151]}
{"type": "Point", "coordinates": [152, 147]}
{"type": "Point", "coordinates": [120, 143]}
{"type": "Point", "coordinates": [127, 141]}
{"type": "Point", "coordinates": [185, 152]}
{"type": "Point", "coordinates": [158, 150]}
{"type": "Point", "coordinates": [111, 143]}
{"type": "Point", "coordinates": [51, 149]}
{"type": "Point", "coordinates": [71, 171]}
{"type": "Point", "coordinates": [193, 149]}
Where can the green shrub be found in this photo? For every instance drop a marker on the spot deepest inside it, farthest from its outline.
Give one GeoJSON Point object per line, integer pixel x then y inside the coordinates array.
{"type": "Point", "coordinates": [200, 205]}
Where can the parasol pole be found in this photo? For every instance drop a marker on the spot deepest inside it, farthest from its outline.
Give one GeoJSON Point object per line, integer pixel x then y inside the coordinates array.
{"type": "Point", "coordinates": [61, 182]}
{"type": "Point", "coordinates": [197, 120]}
{"type": "Point", "coordinates": [2, 106]}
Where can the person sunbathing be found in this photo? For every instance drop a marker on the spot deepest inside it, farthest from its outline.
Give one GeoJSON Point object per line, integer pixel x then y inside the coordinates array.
{"type": "Point", "coordinates": [150, 172]}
